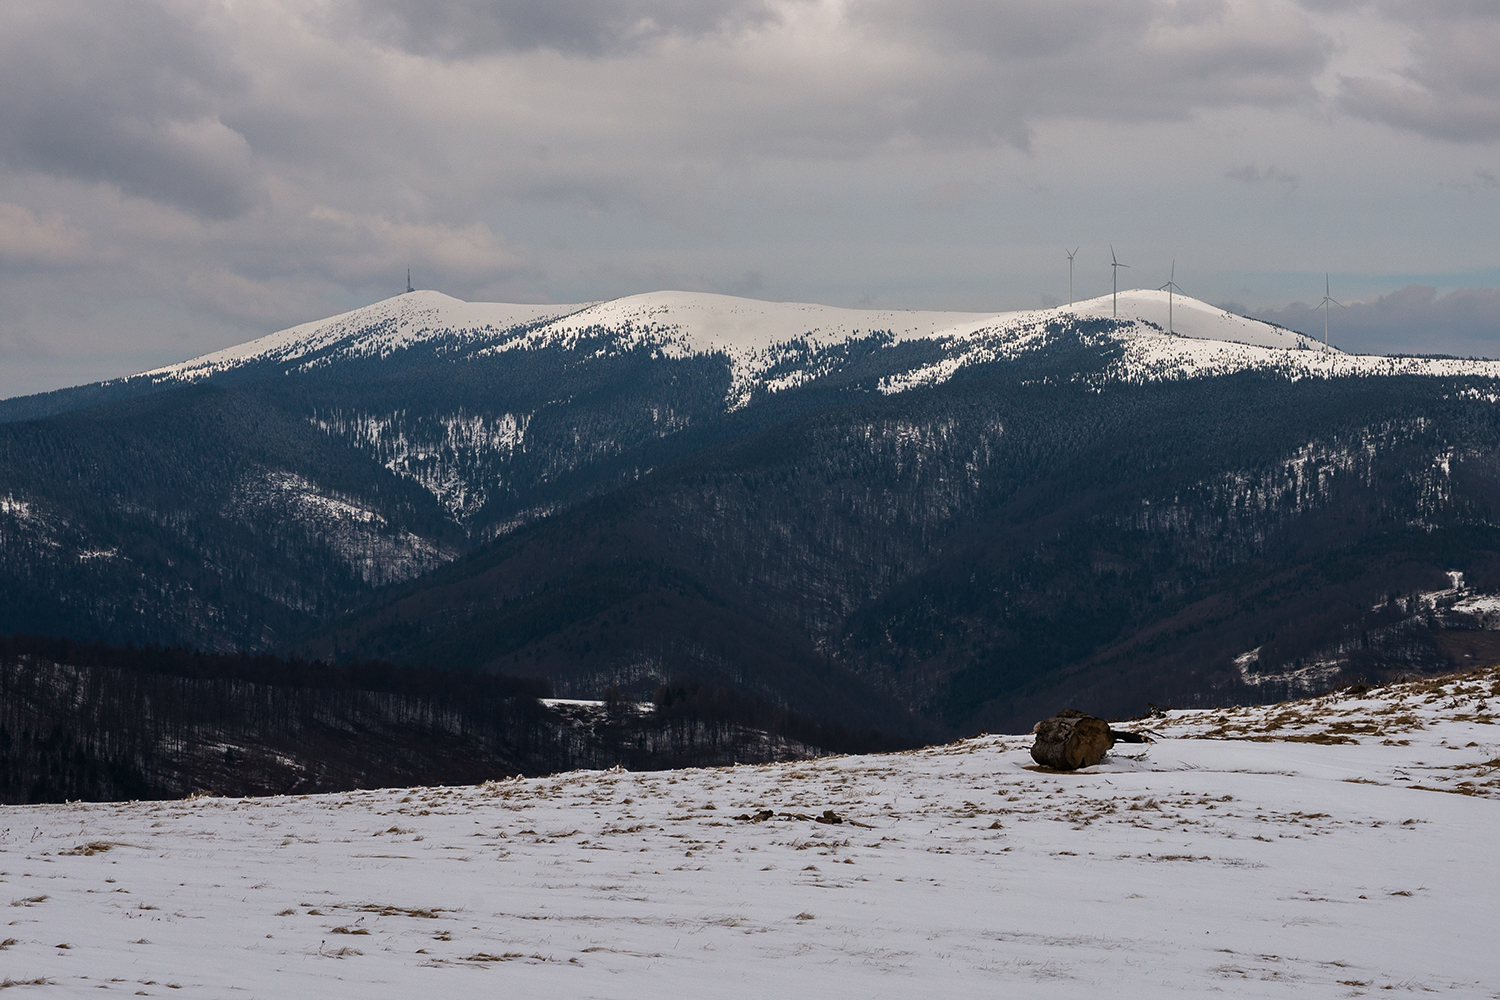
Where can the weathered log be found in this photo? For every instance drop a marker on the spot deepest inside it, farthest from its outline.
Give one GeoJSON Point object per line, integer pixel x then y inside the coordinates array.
{"type": "Point", "coordinates": [1072, 739]}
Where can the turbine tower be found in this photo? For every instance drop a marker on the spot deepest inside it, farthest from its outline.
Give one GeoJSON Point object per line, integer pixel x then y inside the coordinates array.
{"type": "Point", "coordinates": [1115, 263]}
{"type": "Point", "coordinates": [1328, 300]}
{"type": "Point", "coordinates": [408, 281]}
{"type": "Point", "coordinates": [1070, 274]}
{"type": "Point", "coordinates": [1169, 287]}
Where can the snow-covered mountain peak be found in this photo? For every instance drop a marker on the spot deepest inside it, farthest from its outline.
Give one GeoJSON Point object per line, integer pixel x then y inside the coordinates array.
{"type": "Point", "coordinates": [703, 322]}
{"type": "Point", "coordinates": [1189, 317]}
{"type": "Point", "coordinates": [690, 323]}
{"type": "Point", "coordinates": [375, 329]}
{"type": "Point", "coordinates": [777, 345]}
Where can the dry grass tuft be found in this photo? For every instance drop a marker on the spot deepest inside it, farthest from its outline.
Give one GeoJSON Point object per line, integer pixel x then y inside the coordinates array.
{"type": "Point", "coordinates": [401, 911]}
{"type": "Point", "coordinates": [1329, 739]}
{"type": "Point", "coordinates": [91, 848]}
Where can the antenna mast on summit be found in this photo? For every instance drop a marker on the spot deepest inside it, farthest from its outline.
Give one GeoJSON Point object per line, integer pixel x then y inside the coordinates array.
{"type": "Point", "coordinates": [1168, 288]}
{"type": "Point", "coordinates": [1116, 265]}
{"type": "Point", "coordinates": [1327, 300]}
{"type": "Point", "coordinates": [408, 281]}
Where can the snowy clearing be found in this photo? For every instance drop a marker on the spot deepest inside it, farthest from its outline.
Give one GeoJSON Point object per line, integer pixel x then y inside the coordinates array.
{"type": "Point", "coordinates": [1334, 847]}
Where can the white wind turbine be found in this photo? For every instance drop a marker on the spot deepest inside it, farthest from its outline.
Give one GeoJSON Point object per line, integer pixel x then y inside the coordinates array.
{"type": "Point", "coordinates": [1328, 300]}
{"type": "Point", "coordinates": [1169, 287]}
{"type": "Point", "coordinates": [1070, 273]}
{"type": "Point", "coordinates": [1115, 263]}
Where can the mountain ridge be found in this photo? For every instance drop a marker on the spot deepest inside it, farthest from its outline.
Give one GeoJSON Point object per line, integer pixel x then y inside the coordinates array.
{"type": "Point", "coordinates": [755, 334]}
{"type": "Point", "coordinates": [919, 522]}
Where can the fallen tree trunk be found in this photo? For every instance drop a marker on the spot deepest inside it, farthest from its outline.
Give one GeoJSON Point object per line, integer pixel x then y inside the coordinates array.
{"type": "Point", "coordinates": [1072, 739]}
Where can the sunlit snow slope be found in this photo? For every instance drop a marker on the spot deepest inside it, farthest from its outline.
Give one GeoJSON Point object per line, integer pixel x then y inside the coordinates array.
{"type": "Point", "coordinates": [1337, 847]}
{"type": "Point", "coordinates": [1186, 317]}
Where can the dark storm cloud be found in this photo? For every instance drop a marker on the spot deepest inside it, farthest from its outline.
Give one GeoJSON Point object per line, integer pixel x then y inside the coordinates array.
{"type": "Point", "coordinates": [1414, 319]}
{"type": "Point", "coordinates": [1450, 88]}
{"type": "Point", "coordinates": [466, 28]}
{"type": "Point", "coordinates": [123, 93]}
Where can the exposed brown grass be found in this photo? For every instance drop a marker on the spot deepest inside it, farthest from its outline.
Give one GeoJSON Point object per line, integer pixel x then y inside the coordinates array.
{"type": "Point", "coordinates": [400, 911]}
{"type": "Point", "coordinates": [91, 848]}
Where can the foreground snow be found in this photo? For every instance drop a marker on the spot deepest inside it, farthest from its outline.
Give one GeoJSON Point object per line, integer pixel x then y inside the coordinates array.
{"type": "Point", "coordinates": [1303, 850]}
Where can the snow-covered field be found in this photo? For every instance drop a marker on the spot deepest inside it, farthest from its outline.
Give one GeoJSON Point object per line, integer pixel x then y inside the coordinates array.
{"type": "Point", "coordinates": [1338, 847]}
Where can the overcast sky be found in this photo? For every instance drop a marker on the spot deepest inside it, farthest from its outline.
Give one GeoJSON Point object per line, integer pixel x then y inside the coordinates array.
{"type": "Point", "coordinates": [180, 176]}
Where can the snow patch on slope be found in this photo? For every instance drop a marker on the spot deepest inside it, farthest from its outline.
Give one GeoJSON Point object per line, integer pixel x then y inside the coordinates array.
{"type": "Point", "coordinates": [360, 537]}
{"type": "Point", "coordinates": [450, 454]}
{"type": "Point", "coordinates": [1485, 608]}
{"type": "Point", "coordinates": [18, 509]}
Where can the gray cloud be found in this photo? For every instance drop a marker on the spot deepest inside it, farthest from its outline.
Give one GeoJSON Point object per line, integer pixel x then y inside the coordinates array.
{"type": "Point", "coordinates": [949, 195]}
{"type": "Point", "coordinates": [127, 93]}
{"type": "Point", "coordinates": [176, 176]}
{"type": "Point", "coordinates": [198, 110]}
{"type": "Point", "coordinates": [1013, 29]}
{"type": "Point", "coordinates": [750, 283]}
{"type": "Point", "coordinates": [1131, 59]}
{"type": "Point", "coordinates": [1450, 88]}
{"type": "Point", "coordinates": [26, 241]}
{"type": "Point", "coordinates": [1415, 320]}
{"type": "Point", "coordinates": [467, 28]}
{"type": "Point", "coordinates": [1479, 180]}
{"type": "Point", "coordinates": [1256, 177]}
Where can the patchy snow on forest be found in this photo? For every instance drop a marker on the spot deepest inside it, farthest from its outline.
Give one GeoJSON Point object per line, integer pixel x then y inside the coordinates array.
{"type": "Point", "coordinates": [1340, 846]}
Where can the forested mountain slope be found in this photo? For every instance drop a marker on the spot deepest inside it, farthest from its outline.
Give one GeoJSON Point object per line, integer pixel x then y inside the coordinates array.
{"type": "Point", "coordinates": [984, 550]}
{"type": "Point", "coordinates": [917, 522]}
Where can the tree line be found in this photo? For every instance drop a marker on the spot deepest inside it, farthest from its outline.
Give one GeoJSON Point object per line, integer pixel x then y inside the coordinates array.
{"type": "Point", "coordinates": [84, 720]}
